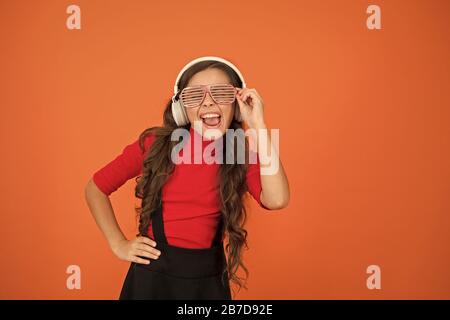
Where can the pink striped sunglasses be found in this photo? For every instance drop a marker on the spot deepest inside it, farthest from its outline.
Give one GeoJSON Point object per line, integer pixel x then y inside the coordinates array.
{"type": "Point", "coordinates": [192, 97]}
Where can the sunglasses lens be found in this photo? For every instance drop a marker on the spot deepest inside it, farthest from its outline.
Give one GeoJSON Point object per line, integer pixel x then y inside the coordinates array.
{"type": "Point", "coordinates": [192, 96]}
{"type": "Point", "coordinates": [223, 93]}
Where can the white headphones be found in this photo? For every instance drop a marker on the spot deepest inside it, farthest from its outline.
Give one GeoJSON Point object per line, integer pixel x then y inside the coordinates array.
{"type": "Point", "coordinates": [178, 110]}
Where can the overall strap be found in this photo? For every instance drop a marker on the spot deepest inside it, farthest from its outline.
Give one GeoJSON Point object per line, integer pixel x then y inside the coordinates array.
{"type": "Point", "coordinates": [158, 225]}
{"type": "Point", "coordinates": [218, 236]}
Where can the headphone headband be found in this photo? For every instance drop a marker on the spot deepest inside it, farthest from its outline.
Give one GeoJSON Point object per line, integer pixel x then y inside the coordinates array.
{"type": "Point", "coordinates": [175, 88]}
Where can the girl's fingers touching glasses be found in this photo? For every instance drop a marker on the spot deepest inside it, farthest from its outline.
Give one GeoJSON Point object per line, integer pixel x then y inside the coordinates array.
{"type": "Point", "coordinates": [251, 106]}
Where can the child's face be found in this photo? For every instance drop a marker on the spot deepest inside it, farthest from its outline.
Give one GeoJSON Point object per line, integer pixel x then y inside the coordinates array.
{"type": "Point", "coordinates": [224, 112]}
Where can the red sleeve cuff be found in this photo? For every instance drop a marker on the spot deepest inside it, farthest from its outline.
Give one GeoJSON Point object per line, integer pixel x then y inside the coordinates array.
{"type": "Point", "coordinates": [101, 184]}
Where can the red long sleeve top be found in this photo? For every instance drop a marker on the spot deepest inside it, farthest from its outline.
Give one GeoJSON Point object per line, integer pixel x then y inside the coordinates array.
{"type": "Point", "coordinates": [190, 197]}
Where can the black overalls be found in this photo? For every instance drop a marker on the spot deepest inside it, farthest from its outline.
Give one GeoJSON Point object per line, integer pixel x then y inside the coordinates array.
{"type": "Point", "coordinates": [179, 273]}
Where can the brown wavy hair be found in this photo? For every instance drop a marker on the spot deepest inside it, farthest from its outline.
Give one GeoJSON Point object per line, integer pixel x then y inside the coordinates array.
{"type": "Point", "coordinates": [158, 166]}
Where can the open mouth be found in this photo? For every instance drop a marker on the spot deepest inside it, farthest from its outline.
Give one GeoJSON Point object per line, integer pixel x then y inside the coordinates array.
{"type": "Point", "coordinates": [211, 120]}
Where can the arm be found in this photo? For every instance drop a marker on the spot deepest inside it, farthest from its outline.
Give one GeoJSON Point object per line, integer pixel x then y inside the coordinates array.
{"type": "Point", "coordinates": [129, 250]}
{"type": "Point", "coordinates": [97, 191]}
{"type": "Point", "coordinates": [274, 183]}
{"type": "Point", "coordinates": [100, 206]}
{"type": "Point", "coordinates": [275, 192]}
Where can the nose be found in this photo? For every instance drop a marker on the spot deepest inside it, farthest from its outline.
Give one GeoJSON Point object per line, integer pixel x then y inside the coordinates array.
{"type": "Point", "coordinates": [208, 101]}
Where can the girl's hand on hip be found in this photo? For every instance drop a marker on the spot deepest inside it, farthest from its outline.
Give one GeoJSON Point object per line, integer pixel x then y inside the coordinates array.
{"type": "Point", "coordinates": [133, 250]}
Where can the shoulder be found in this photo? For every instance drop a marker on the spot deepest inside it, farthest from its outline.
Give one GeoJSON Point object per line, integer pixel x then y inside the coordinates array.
{"type": "Point", "coordinates": [148, 140]}
{"type": "Point", "coordinates": [145, 141]}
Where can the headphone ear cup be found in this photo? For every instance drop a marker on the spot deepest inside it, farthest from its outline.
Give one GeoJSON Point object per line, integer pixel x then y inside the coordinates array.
{"type": "Point", "coordinates": [179, 114]}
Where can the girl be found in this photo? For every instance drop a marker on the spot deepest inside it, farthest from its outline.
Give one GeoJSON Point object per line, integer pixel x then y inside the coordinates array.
{"type": "Point", "coordinates": [188, 207]}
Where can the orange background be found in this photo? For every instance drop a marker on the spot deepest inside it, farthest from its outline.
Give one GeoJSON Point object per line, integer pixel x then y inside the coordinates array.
{"type": "Point", "coordinates": [364, 137]}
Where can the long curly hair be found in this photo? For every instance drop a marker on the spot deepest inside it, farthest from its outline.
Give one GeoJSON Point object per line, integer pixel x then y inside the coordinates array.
{"type": "Point", "coordinates": [158, 166]}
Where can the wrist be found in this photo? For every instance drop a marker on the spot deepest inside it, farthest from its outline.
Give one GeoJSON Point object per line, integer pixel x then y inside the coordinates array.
{"type": "Point", "coordinates": [113, 244]}
{"type": "Point", "coordinates": [258, 125]}
{"type": "Point", "coordinates": [259, 129]}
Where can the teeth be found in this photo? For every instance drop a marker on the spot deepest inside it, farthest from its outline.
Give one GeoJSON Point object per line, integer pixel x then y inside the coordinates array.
{"type": "Point", "coordinates": [210, 115]}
